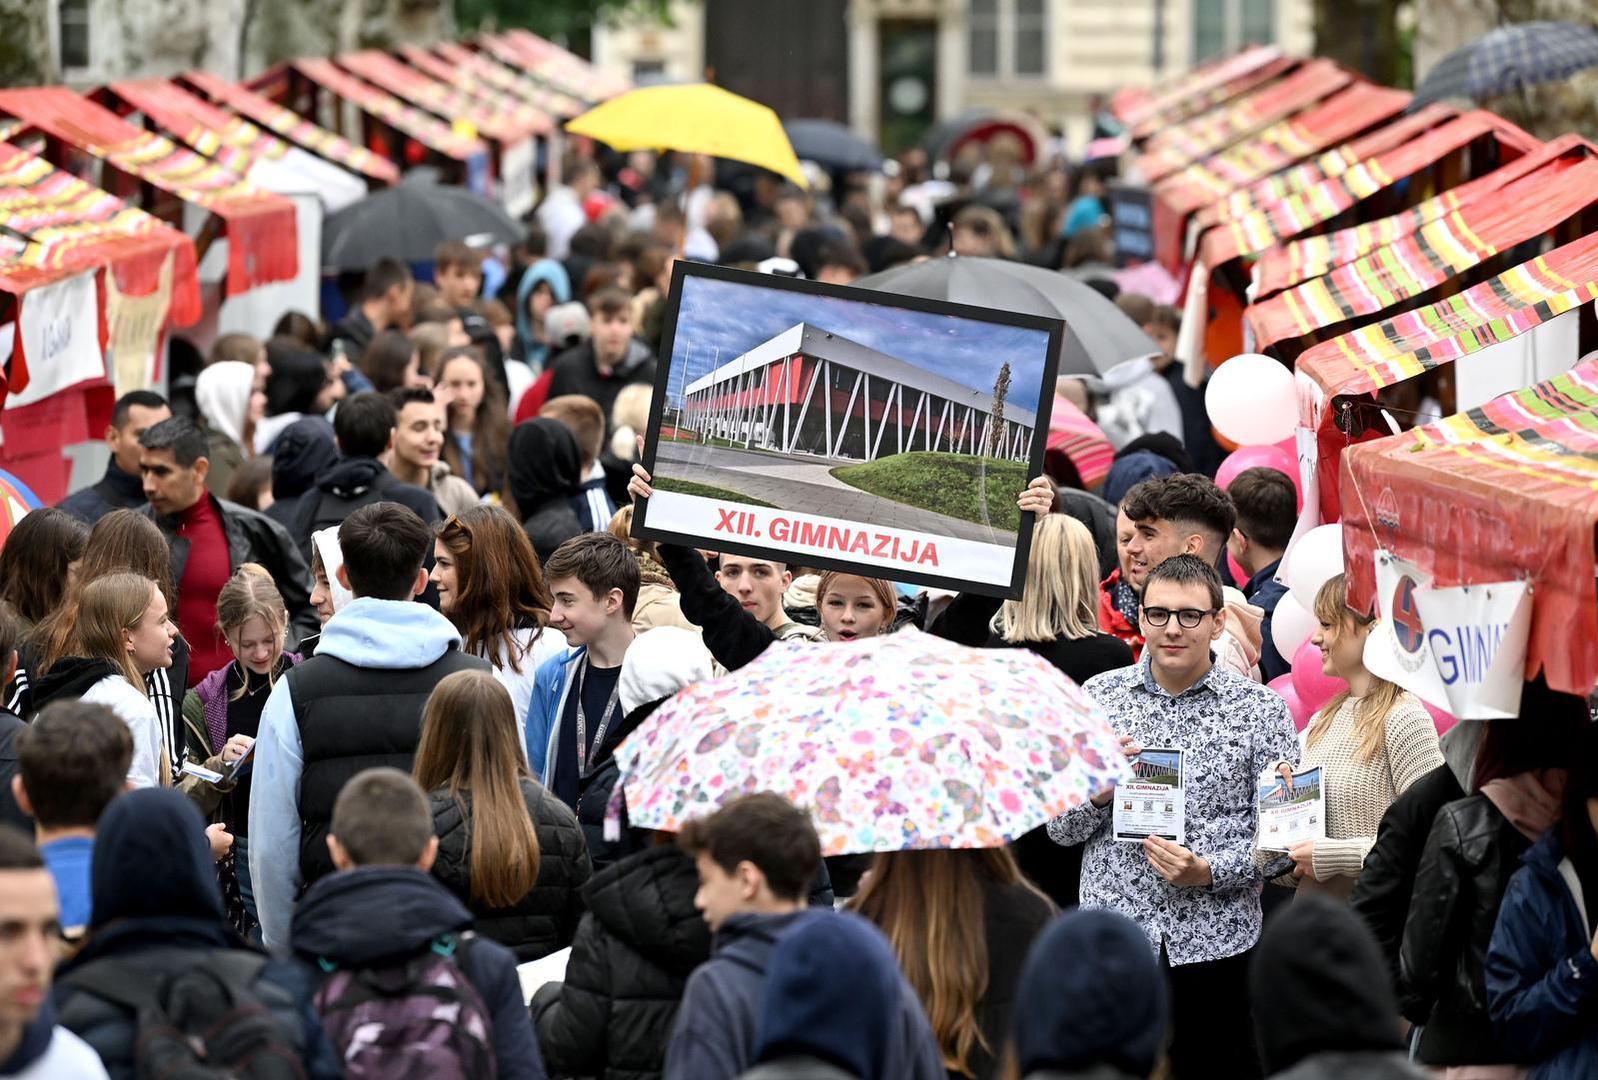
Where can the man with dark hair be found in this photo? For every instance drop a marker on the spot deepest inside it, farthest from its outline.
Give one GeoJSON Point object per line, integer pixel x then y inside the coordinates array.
{"type": "Point", "coordinates": [356, 704]}
{"type": "Point", "coordinates": [385, 301]}
{"type": "Point", "coordinates": [383, 910]}
{"type": "Point", "coordinates": [210, 538]}
{"type": "Point", "coordinates": [1267, 513]}
{"type": "Point", "coordinates": [364, 428]}
{"type": "Point", "coordinates": [594, 581]}
{"type": "Point", "coordinates": [610, 359]}
{"type": "Point", "coordinates": [120, 487]}
{"type": "Point", "coordinates": [73, 760]}
{"type": "Point", "coordinates": [756, 858]}
{"type": "Point", "coordinates": [416, 457]}
{"type": "Point", "coordinates": [31, 1044]}
{"type": "Point", "coordinates": [838, 263]}
{"type": "Point", "coordinates": [1198, 898]}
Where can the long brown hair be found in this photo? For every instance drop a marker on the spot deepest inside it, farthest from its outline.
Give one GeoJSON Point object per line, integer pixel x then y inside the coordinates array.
{"type": "Point", "coordinates": [930, 905]}
{"type": "Point", "coordinates": [35, 559]}
{"type": "Point", "coordinates": [1370, 717]}
{"type": "Point", "coordinates": [121, 541]}
{"type": "Point", "coordinates": [109, 606]}
{"type": "Point", "coordinates": [499, 584]}
{"type": "Point", "coordinates": [469, 743]}
{"type": "Point", "coordinates": [490, 426]}
{"type": "Point", "coordinates": [249, 593]}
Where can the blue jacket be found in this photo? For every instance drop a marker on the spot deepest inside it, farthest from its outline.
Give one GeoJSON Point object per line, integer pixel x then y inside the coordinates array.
{"type": "Point", "coordinates": [550, 687]}
{"type": "Point", "coordinates": [715, 1033]}
{"type": "Point", "coordinates": [1542, 979]}
{"type": "Point", "coordinates": [1265, 592]}
{"type": "Point", "coordinates": [367, 633]}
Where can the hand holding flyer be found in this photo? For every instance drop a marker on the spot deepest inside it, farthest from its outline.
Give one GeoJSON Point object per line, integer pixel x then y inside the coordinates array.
{"type": "Point", "coordinates": [1153, 804]}
{"type": "Point", "coordinates": [1290, 814]}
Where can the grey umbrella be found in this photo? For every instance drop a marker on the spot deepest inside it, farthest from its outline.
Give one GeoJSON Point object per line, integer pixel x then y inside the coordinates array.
{"type": "Point", "coordinates": [1510, 58]}
{"type": "Point", "coordinates": [1098, 336]}
{"type": "Point", "coordinates": [408, 221]}
{"type": "Point", "coordinates": [832, 145]}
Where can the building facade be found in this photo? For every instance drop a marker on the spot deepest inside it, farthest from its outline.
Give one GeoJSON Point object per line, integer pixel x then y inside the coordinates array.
{"type": "Point", "coordinates": [810, 391]}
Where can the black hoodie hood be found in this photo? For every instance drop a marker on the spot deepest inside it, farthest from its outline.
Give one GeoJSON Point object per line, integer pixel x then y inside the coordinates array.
{"type": "Point", "coordinates": [542, 463]}
{"type": "Point", "coordinates": [152, 860]}
{"type": "Point", "coordinates": [304, 451]}
{"type": "Point", "coordinates": [359, 917]}
{"type": "Point", "coordinates": [351, 477]}
{"type": "Point", "coordinates": [647, 900]}
{"type": "Point", "coordinates": [68, 678]}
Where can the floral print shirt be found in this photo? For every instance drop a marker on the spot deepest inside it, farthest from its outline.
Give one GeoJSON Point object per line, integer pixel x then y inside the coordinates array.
{"type": "Point", "coordinates": [1232, 730]}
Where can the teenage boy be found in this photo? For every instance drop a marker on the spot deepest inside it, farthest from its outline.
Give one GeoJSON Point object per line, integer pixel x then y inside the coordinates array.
{"type": "Point", "coordinates": [458, 273]}
{"type": "Point", "coordinates": [74, 759]}
{"type": "Point", "coordinates": [756, 857]}
{"type": "Point", "coordinates": [1198, 901]}
{"type": "Point", "coordinates": [120, 488]}
{"type": "Point", "coordinates": [759, 584]}
{"type": "Point", "coordinates": [383, 907]}
{"type": "Point", "coordinates": [576, 697]}
{"type": "Point", "coordinates": [32, 1046]}
{"type": "Point", "coordinates": [356, 704]}
{"type": "Point", "coordinates": [610, 359]}
{"type": "Point", "coordinates": [418, 443]}
{"type": "Point", "coordinates": [1267, 513]}
{"type": "Point", "coordinates": [386, 296]}
{"type": "Point", "coordinates": [586, 421]}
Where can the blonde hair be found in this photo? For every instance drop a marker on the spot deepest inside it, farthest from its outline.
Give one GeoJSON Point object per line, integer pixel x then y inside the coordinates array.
{"type": "Point", "coordinates": [1060, 599]}
{"type": "Point", "coordinates": [248, 594]}
{"type": "Point", "coordinates": [879, 589]}
{"type": "Point", "coordinates": [111, 605]}
{"type": "Point", "coordinates": [1370, 718]}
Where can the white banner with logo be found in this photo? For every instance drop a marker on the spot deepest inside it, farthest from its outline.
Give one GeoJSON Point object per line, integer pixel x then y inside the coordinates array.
{"type": "Point", "coordinates": [58, 327]}
{"type": "Point", "coordinates": [1462, 649]}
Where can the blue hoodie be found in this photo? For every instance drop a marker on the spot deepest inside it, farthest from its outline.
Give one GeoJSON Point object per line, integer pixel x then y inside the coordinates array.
{"type": "Point", "coordinates": [368, 633]}
{"type": "Point", "coordinates": [536, 352]}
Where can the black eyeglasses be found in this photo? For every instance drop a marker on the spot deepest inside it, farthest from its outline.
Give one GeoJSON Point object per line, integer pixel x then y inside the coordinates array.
{"type": "Point", "coordinates": [1188, 617]}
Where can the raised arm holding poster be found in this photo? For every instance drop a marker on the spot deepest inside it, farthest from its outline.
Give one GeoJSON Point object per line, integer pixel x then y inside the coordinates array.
{"type": "Point", "coordinates": [847, 429]}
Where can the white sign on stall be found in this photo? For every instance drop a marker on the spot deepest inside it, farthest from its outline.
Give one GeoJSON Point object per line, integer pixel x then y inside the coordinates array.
{"type": "Point", "coordinates": [58, 328]}
{"type": "Point", "coordinates": [516, 180]}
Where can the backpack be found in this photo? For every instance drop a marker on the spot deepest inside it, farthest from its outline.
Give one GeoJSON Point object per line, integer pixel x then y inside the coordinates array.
{"type": "Point", "coordinates": [419, 1017]}
{"type": "Point", "coordinates": [199, 1014]}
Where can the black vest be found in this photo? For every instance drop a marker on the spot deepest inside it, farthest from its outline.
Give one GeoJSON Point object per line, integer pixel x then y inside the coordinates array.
{"type": "Point", "coordinates": [350, 719]}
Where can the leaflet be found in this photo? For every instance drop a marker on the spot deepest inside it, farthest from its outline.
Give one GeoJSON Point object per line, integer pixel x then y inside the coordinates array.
{"type": "Point", "coordinates": [1291, 814]}
{"type": "Point", "coordinates": [1152, 804]}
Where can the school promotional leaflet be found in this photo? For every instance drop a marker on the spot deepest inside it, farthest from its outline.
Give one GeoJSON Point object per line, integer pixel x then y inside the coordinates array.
{"type": "Point", "coordinates": [1153, 803]}
{"type": "Point", "coordinates": [1291, 813]}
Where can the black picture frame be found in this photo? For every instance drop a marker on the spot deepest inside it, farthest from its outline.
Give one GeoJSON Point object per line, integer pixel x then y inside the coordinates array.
{"type": "Point", "coordinates": [1053, 328]}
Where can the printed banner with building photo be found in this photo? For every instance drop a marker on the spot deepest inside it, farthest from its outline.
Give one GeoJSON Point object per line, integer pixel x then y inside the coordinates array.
{"type": "Point", "coordinates": [848, 429]}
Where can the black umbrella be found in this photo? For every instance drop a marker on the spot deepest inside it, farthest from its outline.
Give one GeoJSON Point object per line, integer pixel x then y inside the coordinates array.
{"type": "Point", "coordinates": [408, 221]}
{"type": "Point", "coordinates": [832, 146]}
{"type": "Point", "coordinates": [1510, 58]}
{"type": "Point", "coordinates": [1098, 335]}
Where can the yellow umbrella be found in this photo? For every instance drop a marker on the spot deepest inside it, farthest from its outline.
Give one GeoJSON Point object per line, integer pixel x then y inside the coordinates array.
{"type": "Point", "coordinates": [696, 118]}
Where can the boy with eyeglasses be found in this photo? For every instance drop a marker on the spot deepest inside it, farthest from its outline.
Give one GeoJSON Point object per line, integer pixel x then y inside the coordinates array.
{"type": "Point", "coordinates": [1197, 901]}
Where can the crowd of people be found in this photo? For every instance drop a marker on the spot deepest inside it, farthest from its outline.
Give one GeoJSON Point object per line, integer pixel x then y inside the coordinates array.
{"type": "Point", "coordinates": [313, 704]}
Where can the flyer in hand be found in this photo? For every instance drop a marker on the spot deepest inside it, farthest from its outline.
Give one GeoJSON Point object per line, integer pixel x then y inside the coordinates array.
{"type": "Point", "coordinates": [1291, 814]}
{"type": "Point", "coordinates": [1152, 804]}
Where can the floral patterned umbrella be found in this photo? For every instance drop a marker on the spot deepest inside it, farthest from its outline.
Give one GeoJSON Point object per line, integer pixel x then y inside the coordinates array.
{"type": "Point", "coordinates": [894, 743]}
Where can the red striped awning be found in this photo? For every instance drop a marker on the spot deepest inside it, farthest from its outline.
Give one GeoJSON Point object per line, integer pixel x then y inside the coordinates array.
{"type": "Point", "coordinates": [293, 127]}
{"type": "Point", "coordinates": [528, 53]}
{"type": "Point", "coordinates": [259, 225]}
{"type": "Point", "coordinates": [199, 125]}
{"type": "Point", "coordinates": [1506, 492]}
{"type": "Point", "coordinates": [1264, 228]}
{"type": "Point", "coordinates": [427, 130]}
{"type": "Point", "coordinates": [1246, 71]}
{"type": "Point", "coordinates": [409, 84]}
{"type": "Point", "coordinates": [1335, 120]}
{"type": "Point", "coordinates": [1433, 254]}
{"type": "Point", "coordinates": [482, 67]}
{"type": "Point", "coordinates": [551, 56]}
{"type": "Point", "coordinates": [487, 94]}
{"type": "Point", "coordinates": [1308, 258]}
{"type": "Point", "coordinates": [1177, 147]}
{"type": "Point", "coordinates": [71, 226]}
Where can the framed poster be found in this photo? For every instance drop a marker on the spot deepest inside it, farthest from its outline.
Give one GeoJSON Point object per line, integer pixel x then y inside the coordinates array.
{"type": "Point", "coordinates": [847, 429]}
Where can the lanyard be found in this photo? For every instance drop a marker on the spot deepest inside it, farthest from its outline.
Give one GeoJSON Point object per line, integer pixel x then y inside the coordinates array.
{"type": "Point", "coordinates": [582, 719]}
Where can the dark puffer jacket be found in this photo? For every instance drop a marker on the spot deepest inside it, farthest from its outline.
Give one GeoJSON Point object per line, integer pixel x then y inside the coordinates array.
{"type": "Point", "coordinates": [636, 947]}
{"type": "Point", "coordinates": [546, 919]}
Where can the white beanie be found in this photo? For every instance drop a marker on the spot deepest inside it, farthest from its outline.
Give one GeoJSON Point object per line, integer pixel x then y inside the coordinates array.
{"type": "Point", "coordinates": [661, 662]}
{"type": "Point", "coordinates": [326, 541]}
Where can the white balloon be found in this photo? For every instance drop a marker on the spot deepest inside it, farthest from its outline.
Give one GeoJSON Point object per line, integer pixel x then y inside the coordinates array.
{"type": "Point", "coordinates": [1291, 625]}
{"type": "Point", "coordinates": [1251, 400]}
{"type": "Point", "coordinates": [1314, 560]}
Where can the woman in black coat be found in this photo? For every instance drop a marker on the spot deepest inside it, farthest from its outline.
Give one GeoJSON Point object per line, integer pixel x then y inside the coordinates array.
{"type": "Point", "coordinates": [510, 849]}
{"type": "Point", "coordinates": [635, 948]}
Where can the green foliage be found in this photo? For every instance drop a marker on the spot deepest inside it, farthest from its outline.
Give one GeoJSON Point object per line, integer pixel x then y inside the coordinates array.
{"type": "Point", "coordinates": [567, 21]}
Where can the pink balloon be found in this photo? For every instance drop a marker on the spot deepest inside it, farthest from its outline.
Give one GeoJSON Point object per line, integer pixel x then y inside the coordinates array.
{"type": "Point", "coordinates": [1315, 687]}
{"type": "Point", "coordinates": [1283, 685]}
{"type": "Point", "coordinates": [1275, 457]}
{"type": "Point", "coordinates": [1443, 719]}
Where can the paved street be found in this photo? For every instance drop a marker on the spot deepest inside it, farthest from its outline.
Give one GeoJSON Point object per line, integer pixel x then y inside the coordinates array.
{"type": "Point", "coordinates": [807, 487]}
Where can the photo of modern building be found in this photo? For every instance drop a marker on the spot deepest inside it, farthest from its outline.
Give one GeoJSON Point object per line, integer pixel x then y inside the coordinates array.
{"type": "Point", "coordinates": [810, 391]}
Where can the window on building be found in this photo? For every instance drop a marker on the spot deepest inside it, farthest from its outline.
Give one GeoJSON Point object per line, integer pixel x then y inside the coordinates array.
{"type": "Point", "coordinates": [649, 72]}
{"type": "Point", "coordinates": [72, 23]}
{"type": "Point", "coordinates": [1008, 38]}
{"type": "Point", "coordinates": [1221, 26]}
